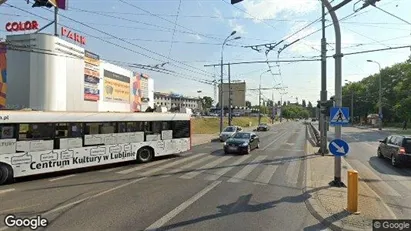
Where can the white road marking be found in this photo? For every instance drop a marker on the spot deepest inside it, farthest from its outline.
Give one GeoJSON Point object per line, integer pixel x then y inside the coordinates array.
{"type": "Point", "coordinates": [173, 213]}
{"type": "Point", "coordinates": [243, 173]}
{"type": "Point", "coordinates": [143, 166]}
{"type": "Point", "coordinates": [169, 173]}
{"type": "Point", "coordinates": [84, 199]}
{"type": "Point", "coordinates": [224, 170]}
{"type": "Point", "coordinates": [291, 174]}
{"type": "Point", "coordinates": [61, 178]}
{"type": "Point", "coordinates": [7, 190]}
{"type": "Point", "coordinates": [266, 174]}
{"type": "Point", "coordinates": [191, 175]}
{"type": "Point", "coordinates": [162, 167]}
{"type": "Point", "coordinates": [278, 137]}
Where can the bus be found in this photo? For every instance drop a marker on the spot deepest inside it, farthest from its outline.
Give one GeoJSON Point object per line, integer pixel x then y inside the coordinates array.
{"type": "Point", "coordinates": [37, 142]}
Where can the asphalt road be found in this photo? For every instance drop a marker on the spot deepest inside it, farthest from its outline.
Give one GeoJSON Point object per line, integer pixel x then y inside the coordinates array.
{"type": "Point", "coordinates": [199, 190]}
{"type": "Point", "coordinates": [392, 184]}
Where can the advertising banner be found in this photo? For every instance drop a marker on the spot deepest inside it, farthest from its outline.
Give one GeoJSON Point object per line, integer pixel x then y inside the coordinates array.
{"type": "Point", "coordinates": [3, 75]}
{"type": "Point", "coordinates": [91, 76]}
{"type": "Point", "coordinates": [116, 87]}
{"type": "Point", "coordinates": [140, 92]}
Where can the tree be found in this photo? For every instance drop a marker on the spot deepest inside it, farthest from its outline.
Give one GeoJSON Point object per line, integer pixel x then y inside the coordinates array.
{"type": "Point", "coordinates": [293, 111]}
{"type": "Point", "coordinates": [248, 104]}
{"type": "Point", "coordinates": [207, 102]}
{"type": "Point", "coordinates": [284, 103]}
{"type": "Point", "coordinates": [309, 104]}
{"type": "Point", "coordinates": [303, 103]}
{"type": "Point", "coordinates": [279, 103]}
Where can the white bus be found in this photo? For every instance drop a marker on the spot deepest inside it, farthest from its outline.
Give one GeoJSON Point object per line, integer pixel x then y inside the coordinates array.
{"type": "Point", "coordinates": [35, 142]}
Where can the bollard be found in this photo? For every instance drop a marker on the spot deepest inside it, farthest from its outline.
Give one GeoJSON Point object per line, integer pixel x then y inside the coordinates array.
{"type": "Point", "coordinates": [352, 191]}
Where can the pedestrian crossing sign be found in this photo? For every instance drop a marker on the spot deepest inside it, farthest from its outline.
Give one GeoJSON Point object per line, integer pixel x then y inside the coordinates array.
{"type": "Point", "coordinates": [339, 116]}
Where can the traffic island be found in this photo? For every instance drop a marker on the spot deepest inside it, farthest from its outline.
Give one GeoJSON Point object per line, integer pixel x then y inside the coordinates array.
{"type": "Point", "coordinates": [329, 204]}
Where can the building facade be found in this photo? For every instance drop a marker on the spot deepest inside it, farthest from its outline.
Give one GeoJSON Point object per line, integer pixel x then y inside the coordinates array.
{"type": "Point", "coordinates": [174, 101]}
{"type": "Point", "coordinates": [238, 92]}
{"type": "Point", "coordinates": [60, 76]}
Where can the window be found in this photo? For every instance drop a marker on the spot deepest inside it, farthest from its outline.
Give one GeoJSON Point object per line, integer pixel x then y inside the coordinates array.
{"type": "Point", "coordinates": [92, 128]}
{"type": "Point", "coordinates": [135, 127]}
{"type": "Point", "coordinates": [36, 131]}
{"type": "Point", "coordinates": [61, 130]}
{"type": "Point", "coordinates": [7, 131]}
{"type": "Point", "coordinates": [181, 129]}
{"type": "Point", "coordinates": [165, 125]}
{"type": "Point", "coordinates": [122, 127]}
{"type": "Point", "coordinates": [108, 128]}
{"type": "Point", "coordinates": [76, 129]}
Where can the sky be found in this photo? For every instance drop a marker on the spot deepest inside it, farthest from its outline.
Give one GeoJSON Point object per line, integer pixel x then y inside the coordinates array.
{"type": "Point", "coordinates": [188, 34]}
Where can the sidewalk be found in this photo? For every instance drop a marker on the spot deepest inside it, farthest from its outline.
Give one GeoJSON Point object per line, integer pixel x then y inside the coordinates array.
{"type": "Point", "coordinates": [328, 204]}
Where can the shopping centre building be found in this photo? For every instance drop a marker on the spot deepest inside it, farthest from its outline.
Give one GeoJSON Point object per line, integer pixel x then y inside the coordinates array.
{"type": "Point", "coordinates": [46, 72]}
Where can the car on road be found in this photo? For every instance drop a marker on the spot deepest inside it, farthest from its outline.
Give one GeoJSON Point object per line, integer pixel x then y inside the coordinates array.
{"type": "Point", "coordinates": [397, 148]}
{"type": "Point", "coordinates": [228, 132]}
{"type": "Point", "coordinates": [242, 142]}
{"type": "Point", "coordinates": [262, 127]}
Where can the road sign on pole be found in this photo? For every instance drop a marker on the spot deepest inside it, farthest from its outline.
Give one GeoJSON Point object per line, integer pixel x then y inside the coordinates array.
{"type": "Point", "coordinates": [338, 147]}
{"type": "Point", "coordinates": [339, 116]}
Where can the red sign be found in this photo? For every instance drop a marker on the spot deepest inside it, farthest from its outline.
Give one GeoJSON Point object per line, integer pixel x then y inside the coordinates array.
{"type": "Point", "coordinates": [22, 26]}
{"type": "Point", "coordinates": [73, 36]}
{"type": "Point", "coordinates": [91, 97]}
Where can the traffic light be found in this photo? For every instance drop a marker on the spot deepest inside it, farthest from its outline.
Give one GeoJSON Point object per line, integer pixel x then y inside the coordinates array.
{"type": "Point", "coordinates": [41, 3]}
{"type": "Point", "coordinates": [326, 106]}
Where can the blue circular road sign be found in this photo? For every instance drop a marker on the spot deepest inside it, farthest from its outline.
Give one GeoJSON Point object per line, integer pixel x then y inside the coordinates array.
{"type": "Point", "coordinates": [338, 147]}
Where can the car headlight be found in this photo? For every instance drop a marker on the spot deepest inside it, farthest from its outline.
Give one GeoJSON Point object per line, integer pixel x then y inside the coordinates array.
{"type": "Point", "coordinates": [244, 144]}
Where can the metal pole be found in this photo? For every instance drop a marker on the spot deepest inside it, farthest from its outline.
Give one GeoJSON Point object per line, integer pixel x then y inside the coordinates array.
{"type": "Point", "coordinates": [380, 101]}
{"type": "Point", "coordinates": [229, 96]}
{"type": "Point", "coordinates": [221, 93]}
{"type": "Point", "coordinates": [352, 107]}
{"type": "Point", "coordinates": [259, 102]}
{"type": "Point", "coordinates": [56, 16]}
{"type": "Point", "coordinates": [338, 87]}
{"type": "Point", "coordinates": [323, 94]}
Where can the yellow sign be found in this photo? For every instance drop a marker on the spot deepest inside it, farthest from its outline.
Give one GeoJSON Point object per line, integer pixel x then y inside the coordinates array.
{"type": "Point", "coordinates": [92, 61]}
{"type": "Point", "coordinates": [116, 87]}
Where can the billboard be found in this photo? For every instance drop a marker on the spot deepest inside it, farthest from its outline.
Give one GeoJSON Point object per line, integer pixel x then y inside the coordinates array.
{"type": "Point", "coordinates": [116, 87]}
{"type": "Point", "coordinates": [91, 76]}
{"type": "Point", "coordinates": [3, 75]}
{"type": "Point", "coordinates": [140, 95]}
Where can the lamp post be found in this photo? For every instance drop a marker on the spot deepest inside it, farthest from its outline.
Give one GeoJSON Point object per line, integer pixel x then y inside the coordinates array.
{"type": "Point", "coordinates": [221, 80]}
{"type": "Point", "coordinates": [379, 96]}
{"type": "Point", "coordinates": [259, 98]}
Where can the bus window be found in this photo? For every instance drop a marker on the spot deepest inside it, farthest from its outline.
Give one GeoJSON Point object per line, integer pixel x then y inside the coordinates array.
{"type": "Point", "coordinates": [156, 127]}
{"type": "Point", "coordinates": [7, 131]}
{"type": "Point", "coordinates": [36, 131]}
{"type": "Point", "coordinates": [61, 130]}
{"type": "Point", "coordinates": [108, 128]}
{"type": "Point", "coordinates": [135, 127]}
{"type": "Point", "coordinates": [181, 129]}
{"type": "Point", "coordinates": [121, 127]}
{"type": "Point", "coordinates": [76, 129]}
{"type": "Point", "coordinates": [92, 128]}
{"type": "Point", "coordinates": [165, 125]}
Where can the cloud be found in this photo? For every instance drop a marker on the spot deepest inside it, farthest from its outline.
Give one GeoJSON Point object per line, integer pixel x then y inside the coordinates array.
{"type": "Point", "coordinates": [237, 27]}
{"type": "Point", "coordinates": [195, 36]}
{"type": "Point", "coordinates": [263, 9]}
{"type": "Point", "coordinates": [218, 14]}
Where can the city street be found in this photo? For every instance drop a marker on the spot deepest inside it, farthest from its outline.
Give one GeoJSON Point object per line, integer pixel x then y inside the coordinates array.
{"type": "Point", "coordinates": [200, 190]}
{"type": "Point", "coordinates": [392, 184]}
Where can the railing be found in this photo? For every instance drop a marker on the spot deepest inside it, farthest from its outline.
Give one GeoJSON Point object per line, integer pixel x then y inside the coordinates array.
{"type": "Point", "coordinates": [316, 133]}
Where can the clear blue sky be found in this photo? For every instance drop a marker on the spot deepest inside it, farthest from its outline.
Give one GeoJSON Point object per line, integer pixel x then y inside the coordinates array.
{"type": "Point", "coordinates": [202, 25]}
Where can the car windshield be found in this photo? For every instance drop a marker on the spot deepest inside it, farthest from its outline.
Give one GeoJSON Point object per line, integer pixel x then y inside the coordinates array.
{"type": "Point", "coordinates": [229, 129]}
{"type": "Point", "coordinates": [242, 135]}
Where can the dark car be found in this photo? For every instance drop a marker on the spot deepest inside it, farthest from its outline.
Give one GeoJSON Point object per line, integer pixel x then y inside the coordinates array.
{"type": "Point", "coordinates": [262, 127]}
{"type": "Point", "coordinates": [397, 148]}
{"type": "Point", "coordinates": [242, 142]}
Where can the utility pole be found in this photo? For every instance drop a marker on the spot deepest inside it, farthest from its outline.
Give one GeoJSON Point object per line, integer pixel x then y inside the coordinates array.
{"type": "Point", "coordinates": [323, 95]}
{"type": "Point", "coordinates": [352, 107]}
{"type": "Point", "coordinates": [259, 103]}
{"type": "Point", "coordinates": [229, 96]}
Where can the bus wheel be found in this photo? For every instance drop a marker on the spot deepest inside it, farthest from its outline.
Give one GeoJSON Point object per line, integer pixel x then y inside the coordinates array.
{"type": "Point", "coordinates": [6, 174]}
{"type": "Point", "coordinates": [145, 154]}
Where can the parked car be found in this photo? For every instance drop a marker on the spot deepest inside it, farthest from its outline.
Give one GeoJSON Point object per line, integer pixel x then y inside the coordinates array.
{"type": "Point", "coordinates": [397, 148]}
{"type": "Point", "coordinates": [242, 142]}
{"type": "Point", "coordinates": [262, 127]}
{"type": "Point", "coordinates": [228, 132]}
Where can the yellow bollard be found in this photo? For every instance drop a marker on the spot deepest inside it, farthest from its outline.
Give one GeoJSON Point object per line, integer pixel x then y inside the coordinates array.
{"type": "Point", "coordinates": [352, 191]}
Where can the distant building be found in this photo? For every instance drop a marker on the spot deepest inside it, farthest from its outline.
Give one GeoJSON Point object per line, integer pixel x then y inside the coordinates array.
{"type": "Point", "coordinates": [175, 101]}
{"type": "Point", "coordinates": [238, 90]}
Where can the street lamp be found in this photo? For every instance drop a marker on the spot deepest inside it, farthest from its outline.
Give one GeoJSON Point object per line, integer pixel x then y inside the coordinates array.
{"type": "Point", "coordinates": [259, 97]}
{"type": "Point", "coordinates": [379, 96]}
{"type": "Point", "coordinates": [221, 80]}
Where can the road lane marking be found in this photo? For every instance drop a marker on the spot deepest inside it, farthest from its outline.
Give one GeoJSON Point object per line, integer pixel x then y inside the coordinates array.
{"type": "Point", "coordinates": [291, 174]}
{"type": "Point", "coordinates": [61, 178]}
{"type": "Point", "coordinates": [266, 174]}
{"type": "Point", "coordinates": [162, 167]}
{"type": "Point", "coordinates": [277, 138]}
{"type": "Point", "coordinates": [143, 166]}
{"type": "Point", "coordinates": [191, 175]}
{"type": "Point", "coordinates": [7, 190]}
{"type": "Point", "coordinates": [84, 199]}
{"type": "Point", "coordinates": [243, 173]}
{"type": "Point", "coordinates": [224, 170]}
{"type": "Point", "coordinates": [174, 171]}
{"type": "Point", "coordinates": [173, 213]}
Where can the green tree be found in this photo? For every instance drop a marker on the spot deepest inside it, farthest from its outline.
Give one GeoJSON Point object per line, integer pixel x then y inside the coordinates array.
{"type": "Point", "coordinates": [248, 104]}
{"type": "Point", "coordinates": [303, 103]}
{"type": "Point", "coordinates": [207, 102]}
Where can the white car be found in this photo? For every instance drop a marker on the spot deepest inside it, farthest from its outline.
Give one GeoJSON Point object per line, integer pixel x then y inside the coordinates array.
{"type": "Point", "coordinates": [228, 132]}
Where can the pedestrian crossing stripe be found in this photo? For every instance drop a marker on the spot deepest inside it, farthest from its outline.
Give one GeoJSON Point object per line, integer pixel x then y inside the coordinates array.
{"type": "Point", "coordinates": [339, 115]}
